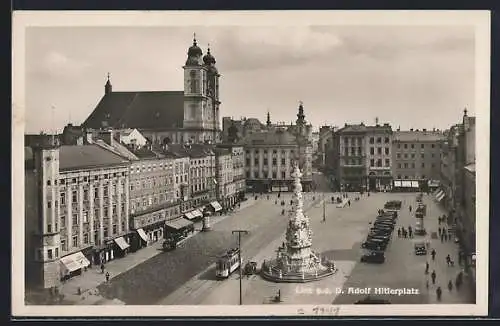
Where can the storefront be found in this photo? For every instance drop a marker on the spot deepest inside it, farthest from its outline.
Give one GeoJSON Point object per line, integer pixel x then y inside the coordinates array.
{"type": "Point", "coordinates": [215, 207]}
{"type": "Point", "coordinates": [406, 186]}
{"type": "Point", "coordinates": [72, 265]}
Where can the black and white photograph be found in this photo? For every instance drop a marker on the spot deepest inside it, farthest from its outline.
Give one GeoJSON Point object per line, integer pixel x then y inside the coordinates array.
{"type": "Point", "coordinates": [250, 163]}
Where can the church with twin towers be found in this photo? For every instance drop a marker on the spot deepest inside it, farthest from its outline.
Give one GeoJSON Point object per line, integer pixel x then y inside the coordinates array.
{"type": "Point", "coordinates": [163, 117]}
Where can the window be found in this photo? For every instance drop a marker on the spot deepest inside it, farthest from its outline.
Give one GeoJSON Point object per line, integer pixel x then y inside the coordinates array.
{"type": "Point", "coordinates": [422, 155]}
{"type": "Point", "coordinates": [115, 229]}
{"type": "Point", "coordinates": [421, 145]}
{"type": "Point", "coordinates": [282, 161]}
{"type": "Point", "coordinates": [256, 161]}
{"type": "Point", "coordinates": [387, 162]}
{"type": "Point", "coordinates": [49, 254]}
{"type": "Point", "coordinates": [346, 151]}
{"type": "Point", "coordinates": [105, 231]}
{"type": "Point", "coordinates": [386, 140]}
{"type": "Point", "coordinates": [399, 145]}
{"type": "Point", "coordinates": [372, 140]}
{"type": "Point", "coordinates": [353, 151]}
{"type": "Point", "coordinates": [75, 219]}
{"type": "Point", "coordinates": [372, 150]}
{"type": "Point", "coordinates": [406, 146]}
{"type": "Point", "coordinates": [49, 204]}
{"type": "Point", "coordinates": [275, 161]}
{"type": "Point", "coordinates": [283, 175]}
{"type": "Point", "coordinates": [399, 167]}
{"type": "Point", "coordinates": [433, 165]}
{"type": "Point", "coordinates": [63, 198]}
{"type": "Point", "coordinates": [73, 197]}
{"type": "Point", "coordinates": [56, 252]}
{"type": "Point", "coordinates": [387, 151]}
{"type": "Point", "coordinates": [75, 241]}
{"type": "Point", "coordinates": [379, 140]}
{"type": "Point", "coordinates": [49, 228]}
{"type": "Point", "coordinates": [86, 238]}
{"type": "Point", "coordinates": [406, 155]}
{"type": "Point", "coordinates": [63, 221]}
{"type": "Point", "coordinates": [423, 165]}
{"type": "Point", "coordinates": [406, 165]}
{"type": "Point", "coordinates": [412, 145]}
{"type": "Point", "coordinates": [96, 192]}
{"type": "Point", "coordinates": [412, 155]}
{"type": "Point", "coordinates": [372, 162]}
{"type": "Point", "coordinates": [265, 161]}
{"type": "Point", "coordinates": [379, 163]}
{"type": "Point", "coordinates": [85, 217]}
{"type": "Point", "coordinates": [432, 155]}
{"type": "Point", "coordinates": [398, 155]}
{"type": "Point", "coordinates": [379, 150]}
{"type": "Point", "coordinates": [274, 175]}
{"type": "Point", "coordinates": [64, 247]}
{"type": "Point", "coordinates": [432, 145]}
{"type": "Point", "coordinates": [85, 194]}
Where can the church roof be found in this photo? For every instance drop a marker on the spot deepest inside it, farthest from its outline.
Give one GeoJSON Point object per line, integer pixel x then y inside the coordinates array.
{"type": "Point", "coordinates": [141, 110]}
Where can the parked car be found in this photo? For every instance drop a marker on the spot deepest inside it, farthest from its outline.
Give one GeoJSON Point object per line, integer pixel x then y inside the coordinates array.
{"type": "Point", "coordinates": [393, 204]}
{"type": "Point", "coordinates": [374, 245]}
{"type": "Point", "coordinates": [384, 238]}
{"type": "Point", "coordinates": [420, 248]}
{"type": "Point", "coordinates": [391, 214]}
{"type": "Point", "coordinates": [386, 220]}
{"type": "Point", "coordinates": [375, 257]}
{"type": "Point", "coordinates": [382, 225]}
{"type": "Point", "coordinates": [380, 231]}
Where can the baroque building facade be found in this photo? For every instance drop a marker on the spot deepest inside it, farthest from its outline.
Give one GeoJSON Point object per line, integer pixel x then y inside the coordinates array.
{"type": "Point", "coordinates": [164, 117]}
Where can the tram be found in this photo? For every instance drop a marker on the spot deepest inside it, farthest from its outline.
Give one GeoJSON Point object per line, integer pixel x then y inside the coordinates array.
{"type": "Point", "coordinates": [227, 263]}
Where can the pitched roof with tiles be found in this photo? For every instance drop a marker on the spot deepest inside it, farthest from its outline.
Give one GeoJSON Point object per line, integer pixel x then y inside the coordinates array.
{"type": "Point", "coordinates": [141, 110]}
{"type": "Point", "coordinates": [418, 136]}
{"type": "Point", "coordinates": [87, 156]}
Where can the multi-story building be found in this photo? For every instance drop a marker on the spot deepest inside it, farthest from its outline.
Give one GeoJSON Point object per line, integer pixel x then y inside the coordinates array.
{"type": "Point", "coordinates": [77, 210]}
{"type": "Point", "coordinates": [225, 188]}
{"type": "Point", "coordinates": [416, 156]}
{"type": "Point", "coordinates": [352, 157]}
{"type": "Point", "coordinates": [189, 115]}
{"type": "Point", "coordinates": [238, 165]}
{"type": "Point", "coordinates": [153, 197]}
{"type": "Point", "coordinates": [378, 140]}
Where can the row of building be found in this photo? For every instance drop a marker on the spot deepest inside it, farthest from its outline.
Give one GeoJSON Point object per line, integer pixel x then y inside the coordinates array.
{"type": "Point", "coordinates": [96, 198]}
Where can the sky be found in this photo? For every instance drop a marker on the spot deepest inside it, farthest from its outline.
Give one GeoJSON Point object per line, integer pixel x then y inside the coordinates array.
{"type": "Point", "coordinates": [409, 76]}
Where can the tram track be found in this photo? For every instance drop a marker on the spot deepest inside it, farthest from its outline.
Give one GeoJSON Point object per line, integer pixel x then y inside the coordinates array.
{"type": "Point", "coordinates": [196, 290]}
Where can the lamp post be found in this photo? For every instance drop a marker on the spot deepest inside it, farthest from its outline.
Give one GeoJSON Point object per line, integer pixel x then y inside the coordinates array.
{"type": "Point", "coordinates": [239, 258]}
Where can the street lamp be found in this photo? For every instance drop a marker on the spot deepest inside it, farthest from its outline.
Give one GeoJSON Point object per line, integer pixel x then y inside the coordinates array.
{"type": "Point", "coordinates": [239, 258]}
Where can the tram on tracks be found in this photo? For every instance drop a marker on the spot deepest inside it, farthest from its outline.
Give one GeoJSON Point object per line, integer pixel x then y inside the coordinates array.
{"type": "Point", "coordinates": [227, 263]}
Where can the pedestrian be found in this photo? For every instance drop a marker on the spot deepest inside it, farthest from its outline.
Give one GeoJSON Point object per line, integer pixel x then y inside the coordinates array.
{"type": "Point", "coordinates": [442, 237]}
{"type": "Point", "coordinates": [409, 208]}
{"type": "Point", "coordinates": [426, 267]}
{"type": "Point", "coordinates": [410, 231]}
{"type": "Point", "coordinates": [458, 283]}
{"type": "Point", "coordinates": [449, 236]}
{"type": "Point", "coordinates": [440, 231]}
{"type": "Point", "coordinates": [427, 283]}
{"type": "Point", "coordinates": [102, 268]}
{"type": "Point", "coordinates": [275, 202]}
{"type": "Point", "coordinates": [439, 292]}
{"type": "Point", "coordinates": [433, 254]}
{"type": "Point", "coordinates": [433, 277]}
{"type": "Point", "coordinates": [349, 202]}
{"type": "Point", "coordinates": [450, 285]}
{"type": "Point", "coordinates": [399, 233]}
{"type": "Point", "coordinates": [460, 257]}
{"type": "Point", "coordinates": [405, 233]}
{"type": "Point", "coordinates": [107, 276]}
{"type": "Point", "coordinates": [448, 259]}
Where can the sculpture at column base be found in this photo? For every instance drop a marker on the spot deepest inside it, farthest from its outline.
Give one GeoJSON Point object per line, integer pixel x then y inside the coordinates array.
{"type": "Point", "coordinates": [297, 263]}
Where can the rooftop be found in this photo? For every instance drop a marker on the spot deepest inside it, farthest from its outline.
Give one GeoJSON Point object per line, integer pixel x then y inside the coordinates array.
{"type": "Point", "coordinates": [141, 110]}
{"type": "Point", "coordinates": [418, 136]}
{"type": "Point", "coordinates": [278, 137]}
{"type": "Point", "coordinates": [87, 156]}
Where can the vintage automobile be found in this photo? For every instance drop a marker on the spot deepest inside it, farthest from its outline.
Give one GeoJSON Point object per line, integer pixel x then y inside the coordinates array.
{"type": "Point", "coordinates": [380, 231]}
{"type": "Point", "coordinates": [389, 214]}
{"type": "Point", "coordinates": [388, 220]}
{"type": "Point", "coordinates": [374, 245]}
{"type": "Point", "coordinates": [393, 205]}
{"type": "Point", "coordinates": [375, 257]}
{"type": "Point", "coordinates": [378, 237]}
{"type": "Point", "coordinates": [250, 268]}
{"type": "Point", "coordinates": [420, 248]}
{"type": "Point", "coordinates": [383, 225]}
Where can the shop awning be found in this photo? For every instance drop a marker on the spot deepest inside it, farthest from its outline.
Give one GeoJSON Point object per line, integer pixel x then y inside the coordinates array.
{"type": "Point", "coordinates": [440, 197]}
{"type": "Point", "coordinates": [142, 234]}
{"type": "Point", "coordinates": [438, 193]}
{"type": "Point", "coordinates": [178, 223]}
{"type": "Point", "coordinates": [397, 183]}
{"type": "Point", "coordinates": [121, 243]}
{"type": "Point", "coordinates": [215, 204]}
{"type": "Point", "coordinates": [189, 215]}
{"type": "Point", "coordinates": [196, 213]}
{"type": "Point", "coordinates": [75, 261]}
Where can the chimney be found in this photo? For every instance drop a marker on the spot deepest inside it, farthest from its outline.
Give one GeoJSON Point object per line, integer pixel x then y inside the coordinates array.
{"type": "Point", "coordinates": [424, 130]}
{"type": "Point", "coordinates": [88, 137]}
{"type": "Point", "coordinates": [107, 136]}
{"type": "Point", "coordinates": [411, 129]}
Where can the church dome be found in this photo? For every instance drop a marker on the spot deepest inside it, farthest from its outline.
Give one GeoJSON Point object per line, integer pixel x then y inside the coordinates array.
{"type": "Point", "coordinates": [208, 58]}
{"type": "Point", "coordinates": [194, 50]}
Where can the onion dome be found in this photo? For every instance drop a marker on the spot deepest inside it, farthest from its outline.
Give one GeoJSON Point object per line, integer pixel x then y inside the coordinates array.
{"type": "Point", "coordinates": [208, 58]}
{"type": "Point", "coordinates": [194, 50]}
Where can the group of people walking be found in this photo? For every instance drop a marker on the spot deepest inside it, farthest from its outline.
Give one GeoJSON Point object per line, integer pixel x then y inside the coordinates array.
{"type": "Point", "coordinates": [405, 233]}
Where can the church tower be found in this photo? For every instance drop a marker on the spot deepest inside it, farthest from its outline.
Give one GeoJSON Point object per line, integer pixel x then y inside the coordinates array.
{"type": "Point", "coordinates": [108, 88]}
{"type": "Point", "coordinates": [213, 95]}
{"type": "Point", "coordinates": [197, 114]}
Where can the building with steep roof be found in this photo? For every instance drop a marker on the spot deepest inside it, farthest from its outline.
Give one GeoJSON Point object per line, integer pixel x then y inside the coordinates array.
{"type": "Point", "coordinates": [77, 210]}
{"type": "Point", "coordinates": [164, 117]}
